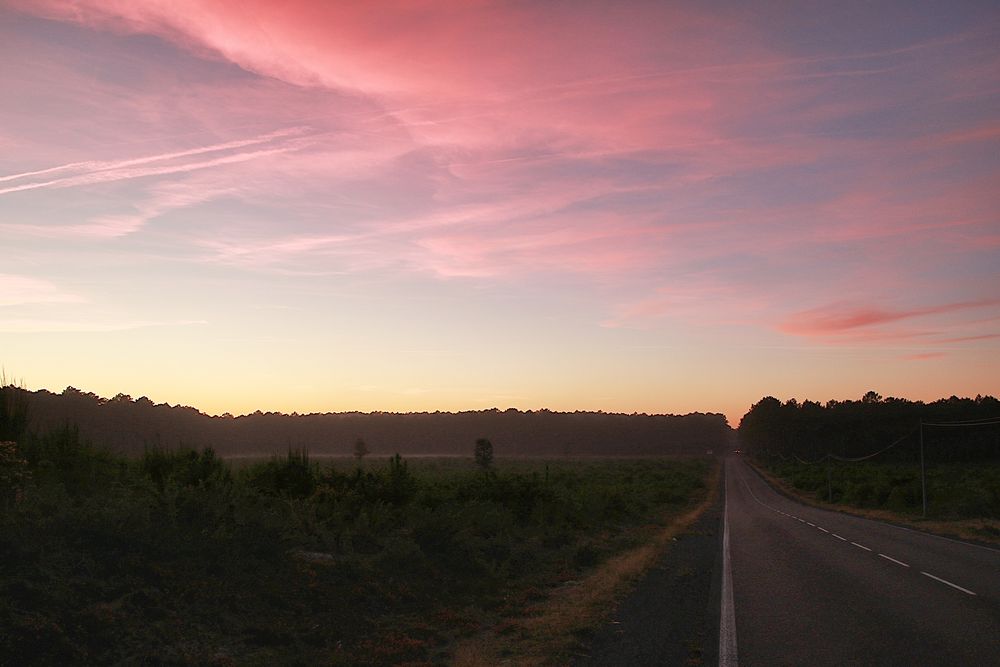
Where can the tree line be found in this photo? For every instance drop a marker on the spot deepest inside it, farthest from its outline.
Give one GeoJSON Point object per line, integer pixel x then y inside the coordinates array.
{"type": "Point", "coordinates": [131, 426]}
{"type": "Point", "coordinates": [851, 429]}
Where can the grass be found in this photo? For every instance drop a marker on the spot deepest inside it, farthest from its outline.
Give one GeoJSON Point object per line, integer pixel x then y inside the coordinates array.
{"type": "Point", "coordinates": [551, 632]}
{"type": "Point", "coordinates": [180, 558]}
{"type": "Point", "coordinates": [963, 499]}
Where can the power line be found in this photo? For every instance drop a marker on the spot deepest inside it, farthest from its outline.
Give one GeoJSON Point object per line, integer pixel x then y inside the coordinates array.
{"type": "Point", "coordinates": [869, 456]}
{"type": "Point", "coordinates": [965, 423]}
{"type": "Point", "coordinates": [985, 421]}
{"type": "Point", "coordinates": [845, 459]}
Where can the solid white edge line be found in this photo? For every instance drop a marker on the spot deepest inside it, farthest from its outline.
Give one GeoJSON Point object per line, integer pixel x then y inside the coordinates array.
{"type": "Point", "coordinates": [898, 562]}
{"type": "Point", "coordinates": [860, 546]}
{"type": "Point", "coordinates": [943, 581]}
{"type": "Point", "coordinates": [727, 614]}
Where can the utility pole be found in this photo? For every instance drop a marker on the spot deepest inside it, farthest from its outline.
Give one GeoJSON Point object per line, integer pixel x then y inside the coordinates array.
{"type": "Point", "coordinates": [923, 477]}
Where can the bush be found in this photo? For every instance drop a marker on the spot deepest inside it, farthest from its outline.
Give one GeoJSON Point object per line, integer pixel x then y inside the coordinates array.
{"type": "Point", "coordinates": [954, 490]}
{"type": "Point", "coordinates": [14, 474]}
{"type": "Point", "coordinates": [292, 475]}
{"type": "Point", "coordinates": [183, 466]}
{"type": "Point", "coordinates": [60, 458]}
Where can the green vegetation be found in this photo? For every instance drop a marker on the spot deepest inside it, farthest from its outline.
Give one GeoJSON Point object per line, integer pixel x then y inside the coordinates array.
{"type": "Point", "coordinates": [177, 558]}
{"type": "Point", "coordinates": [954, 490]}
{"type": "Point", "coordinates": [868, 453]}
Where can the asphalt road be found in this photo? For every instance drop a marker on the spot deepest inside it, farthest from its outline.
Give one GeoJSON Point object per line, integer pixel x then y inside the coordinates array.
{"type": "Point", "coordinates": [814, 587]}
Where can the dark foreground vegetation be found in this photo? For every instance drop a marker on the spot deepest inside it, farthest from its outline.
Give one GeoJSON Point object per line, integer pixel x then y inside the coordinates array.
{"type": "Point", "coordinates": [130, 426]}
{"type": "Point", "coordinates": [173, 557]}
{"type": "Point", "coordinates": [867, 453]}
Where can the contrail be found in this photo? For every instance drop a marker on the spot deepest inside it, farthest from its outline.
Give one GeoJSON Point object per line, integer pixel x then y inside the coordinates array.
{"type": "Point", "coordinates": [102, 172]}
{"type": "Point", "coordinates": [96, 166]}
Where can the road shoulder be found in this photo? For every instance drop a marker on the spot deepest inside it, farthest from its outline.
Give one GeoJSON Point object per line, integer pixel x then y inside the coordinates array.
{"type": "Point", "coordinates": [671, 617]}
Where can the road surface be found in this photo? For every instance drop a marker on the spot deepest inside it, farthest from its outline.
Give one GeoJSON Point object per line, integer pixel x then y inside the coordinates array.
{"type": "Point", "coordinates": [813, 587]}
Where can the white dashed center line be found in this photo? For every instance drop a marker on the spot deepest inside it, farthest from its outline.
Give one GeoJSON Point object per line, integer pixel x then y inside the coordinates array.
{"type": "Point", "coordinates": [947, 583]}
{"type": "Point", "coordinates": [897, 562]}
{"type": "Point", "coordinates": [844, 539]}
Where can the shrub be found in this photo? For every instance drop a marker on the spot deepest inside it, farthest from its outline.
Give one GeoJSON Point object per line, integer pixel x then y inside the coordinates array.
{"type": "Point", "coordinates": [14, 474]}
{"type": "Point", "coordinates": [183, 466]}
{"type": "Point", "coordinates": [292, 475]}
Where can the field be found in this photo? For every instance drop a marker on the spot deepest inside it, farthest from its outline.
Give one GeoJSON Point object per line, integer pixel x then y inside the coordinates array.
{"type": "Point", "coordinates": [956, 492]}
{"type": "Point", "coordinates": [180, 558]}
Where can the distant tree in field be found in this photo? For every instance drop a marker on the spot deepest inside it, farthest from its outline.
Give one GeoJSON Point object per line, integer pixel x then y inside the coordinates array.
{"type": "Point", "coordinates": [484, 453]}
{"type": "Point", "coordinates": [361, 449]}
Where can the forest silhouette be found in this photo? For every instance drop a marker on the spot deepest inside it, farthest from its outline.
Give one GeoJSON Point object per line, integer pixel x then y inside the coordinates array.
{"type": "Point", "coordinates": [809, 430]}
{"type": "Point", "coordinates": [130, 426]}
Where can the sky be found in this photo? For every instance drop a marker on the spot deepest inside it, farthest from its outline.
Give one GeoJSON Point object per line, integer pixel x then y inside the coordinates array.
{"type": "Point", "coordinates": [651, 207]}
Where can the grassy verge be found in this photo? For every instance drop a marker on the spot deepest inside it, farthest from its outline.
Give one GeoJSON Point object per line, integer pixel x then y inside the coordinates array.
{"type": "Point", "coordinates": [549, 632]}
{"type": "Point", "coordinates": [177, 558]}
{"type": "Point", "coordinates": [962, 503]}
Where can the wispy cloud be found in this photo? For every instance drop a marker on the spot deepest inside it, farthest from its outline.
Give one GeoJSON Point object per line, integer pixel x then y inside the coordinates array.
{"type": "Point", "coordinates": [92, 172]}
{"type": "Point", "coordinates": [924, 356]}
{"type": "Point", "coordinates": [849, 321]}
{"type": "Point", "coordinates": [16, 290]}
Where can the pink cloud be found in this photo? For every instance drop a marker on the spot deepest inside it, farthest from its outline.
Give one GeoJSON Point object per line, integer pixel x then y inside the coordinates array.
{"type": "Point", "coordinates": [587, 243]}
{"type": "Point", "coordinates": [701, 298]}
{"type": "Point", "coordinates": [967, 339]}
{"type": "Point", "coordinates": [471, 74]}
{"type": "Point", "coordinates": [860, 322]}
{"type": "Point", "coordinates": [361, 46]}
{"type": "Point", "coordinates": [924, 356]}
